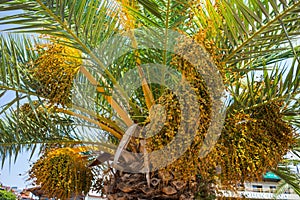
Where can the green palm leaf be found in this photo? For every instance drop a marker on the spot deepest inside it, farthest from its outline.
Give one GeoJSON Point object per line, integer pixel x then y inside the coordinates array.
{"type": "Point", "coordinates": [289, 178]}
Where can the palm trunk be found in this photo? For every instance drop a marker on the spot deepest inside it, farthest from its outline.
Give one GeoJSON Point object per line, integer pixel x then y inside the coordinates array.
{"type": "Point", "coordinates": [129, 186]}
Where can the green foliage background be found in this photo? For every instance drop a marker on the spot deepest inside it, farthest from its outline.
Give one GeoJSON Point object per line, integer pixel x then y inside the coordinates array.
{"type": "Point", "coordinates": [5, 195]}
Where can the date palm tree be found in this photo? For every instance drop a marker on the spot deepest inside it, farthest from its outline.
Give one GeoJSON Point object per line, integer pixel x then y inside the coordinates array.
{"type": "Point", "coordinates": [83, 78]}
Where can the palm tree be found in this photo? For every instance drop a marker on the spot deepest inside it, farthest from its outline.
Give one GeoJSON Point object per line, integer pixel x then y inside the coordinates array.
{"type": "Point", "coordinates": [246, 50]}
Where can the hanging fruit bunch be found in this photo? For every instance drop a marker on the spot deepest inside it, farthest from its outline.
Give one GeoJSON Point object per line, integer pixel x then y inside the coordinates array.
{"type": "Point", "coordinates": [195, 72]}
{"type": "Point", "coordinates": [175, 116]}
{"type": "Point", "coordinates": [251, 143]}
{"type": "Point", "coordinates": [54, 70]}
{"type": "Point", "coordinates": [62, 173]}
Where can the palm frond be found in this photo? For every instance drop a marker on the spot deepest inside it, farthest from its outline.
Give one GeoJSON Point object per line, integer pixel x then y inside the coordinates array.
{"type": "Point", "coordinates": [288, 178]}
{"type": "Point", "coordinates": [248, 31]}
{"type": "Point", "coordinates": [34, 129]}
{"type": "Point", "coordinates": [19, 132]}
{"type": "Point", "coordinates": [88, 20]}
{"type": "Point", "coordinates": [266, 26]}
{"type": "Point", "coordinates": [275, 84]}
{"type": "Point", "coordinates": [16, 52]}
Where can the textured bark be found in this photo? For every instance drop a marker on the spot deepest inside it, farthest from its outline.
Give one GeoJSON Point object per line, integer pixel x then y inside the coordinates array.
{"type": "Point", "coordinates": [126, 186]}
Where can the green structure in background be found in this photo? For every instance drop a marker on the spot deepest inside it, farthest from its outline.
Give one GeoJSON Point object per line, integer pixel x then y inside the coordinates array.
{"type": "Point", "coordinates": [270, 175]}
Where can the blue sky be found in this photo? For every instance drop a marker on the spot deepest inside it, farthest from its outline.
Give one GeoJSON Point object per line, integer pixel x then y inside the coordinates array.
{"type": "Point", "coordinates": [15, 174]}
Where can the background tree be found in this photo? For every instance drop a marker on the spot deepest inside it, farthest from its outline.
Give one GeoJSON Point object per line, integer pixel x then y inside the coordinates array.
{"type": "Point", "coordinates": [243, 40]}
{"type": "Point", "coordinates": [5, 195]}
